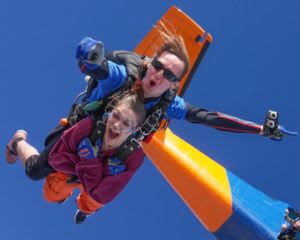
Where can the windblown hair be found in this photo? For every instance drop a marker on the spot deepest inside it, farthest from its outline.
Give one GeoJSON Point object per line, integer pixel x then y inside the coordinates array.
{"type": "Point", "coordinates": [172, 43]}
{"type": "Point", "coordinates": [134, 99]}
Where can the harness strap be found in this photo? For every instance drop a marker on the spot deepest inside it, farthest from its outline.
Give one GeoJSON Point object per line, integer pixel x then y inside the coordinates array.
{"type": "Point", "coordinates": [150, 125]}
{"type": "Point", "coordinates": [98, 130]}
{"type": "Point", "coordinates": [92, 83]}
{"type": "Point", "coordinates": [135, 70]}
{"type": "Point", "coordinates": [156, 113]}
{"type": "Point", "coordinates": [127, 148]}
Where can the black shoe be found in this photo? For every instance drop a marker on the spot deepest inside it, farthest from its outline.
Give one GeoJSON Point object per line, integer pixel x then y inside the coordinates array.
{"type": "Point", "coordinates": [80, 217]}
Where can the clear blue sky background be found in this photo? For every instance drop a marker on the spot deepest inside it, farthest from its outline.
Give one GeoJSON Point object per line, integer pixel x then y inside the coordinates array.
{"type": "Point", "coordinates": [251, 66]}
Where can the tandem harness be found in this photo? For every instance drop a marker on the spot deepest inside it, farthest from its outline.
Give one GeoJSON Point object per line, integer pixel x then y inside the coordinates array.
{"type": "Point", "coordinates": [135, 69]}
{"type": "Point", "coordinates": [99, 109]}
{"type": "Point", "coordinates": [151, 124]}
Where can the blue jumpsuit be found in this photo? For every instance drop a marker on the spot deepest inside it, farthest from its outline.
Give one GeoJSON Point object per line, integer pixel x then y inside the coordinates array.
{"type": "Point", "coordinates": [179, 109]}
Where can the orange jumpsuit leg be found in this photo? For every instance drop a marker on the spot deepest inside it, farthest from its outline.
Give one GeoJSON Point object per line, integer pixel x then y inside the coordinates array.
{"type": "Point", "coordinates": [86, 203]}
{"type": "Point", "coordinates": [56, 188]}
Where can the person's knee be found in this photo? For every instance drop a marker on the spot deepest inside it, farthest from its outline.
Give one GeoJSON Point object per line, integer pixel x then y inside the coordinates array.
{"type": "Point", "coordinates": [87, 204]}
{"type": "Point", "coordinates": [36, 169]}
{"type": "Point", "coordinates": [56, 188]}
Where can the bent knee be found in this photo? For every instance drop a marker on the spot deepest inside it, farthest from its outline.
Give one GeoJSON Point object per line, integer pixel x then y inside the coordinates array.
{"type": "Point", "coordinates": [36, 168]}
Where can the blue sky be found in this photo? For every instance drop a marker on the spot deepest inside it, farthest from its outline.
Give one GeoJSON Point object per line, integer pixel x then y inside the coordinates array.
{"type": "Point", "coordinates": [251, 66]}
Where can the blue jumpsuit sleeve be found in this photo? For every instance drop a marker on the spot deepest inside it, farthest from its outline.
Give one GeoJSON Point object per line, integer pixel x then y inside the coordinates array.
{"type": "Point", "coordinates": [116, 78]}
{"type": "Point", "coordinates": [177, 109]}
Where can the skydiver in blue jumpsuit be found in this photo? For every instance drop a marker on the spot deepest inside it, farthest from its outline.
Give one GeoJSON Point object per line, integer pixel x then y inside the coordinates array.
{"type": "Point", "coordinates": [112, 76]}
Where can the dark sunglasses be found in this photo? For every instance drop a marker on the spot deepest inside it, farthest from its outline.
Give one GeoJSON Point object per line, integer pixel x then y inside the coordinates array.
{"type": "Point", "coordinates": [168, 74]}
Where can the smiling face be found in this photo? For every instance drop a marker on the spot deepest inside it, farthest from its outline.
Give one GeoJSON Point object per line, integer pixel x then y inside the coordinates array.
{"type": "Point", "coordinates": [119, 126]}
{"type": "Point", "coordinates": [154, 83]}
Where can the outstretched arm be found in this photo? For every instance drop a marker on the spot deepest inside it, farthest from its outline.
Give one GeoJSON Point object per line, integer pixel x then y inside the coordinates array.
{"type": "Point", "coordinates": [113, 75]}
{"type": "Point", "coordinates": [91, 60]}
{"type": "Point", "coordinates": [224, 122]}
{"type": "Point", "coordinates": [221, 121]}
{"type": "Point", "coordinates": [179, 109]}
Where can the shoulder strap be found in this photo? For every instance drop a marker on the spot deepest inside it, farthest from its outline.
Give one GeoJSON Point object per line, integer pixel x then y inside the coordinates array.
{"type": "Point", "coordinates": [156, 113]}
{"type": "Point", "coordinates": [98, 129]}
{"type": "Point", "coordinates": [92, 83]}
{"type": "Point", "coordinates": [150, 125]}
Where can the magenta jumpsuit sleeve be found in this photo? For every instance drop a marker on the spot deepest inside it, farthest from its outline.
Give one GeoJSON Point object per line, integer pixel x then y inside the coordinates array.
{"type": "Point", "coordinates": [63, 156]}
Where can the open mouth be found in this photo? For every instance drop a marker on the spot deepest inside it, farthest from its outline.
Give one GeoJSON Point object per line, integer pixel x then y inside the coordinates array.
{"type": "Point", "coordinates": [112, 134]}
{"type": "Point", "coordinates": [152, 83]}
